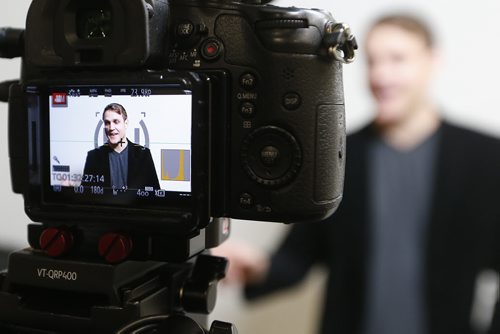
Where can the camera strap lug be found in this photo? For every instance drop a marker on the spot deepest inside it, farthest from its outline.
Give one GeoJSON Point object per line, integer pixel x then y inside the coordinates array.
{"type": "Point", "coordinates": [340, 41]}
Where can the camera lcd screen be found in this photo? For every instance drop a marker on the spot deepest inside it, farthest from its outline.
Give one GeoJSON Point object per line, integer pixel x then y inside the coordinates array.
{"type": "Point", "coordinates": [119, 145]}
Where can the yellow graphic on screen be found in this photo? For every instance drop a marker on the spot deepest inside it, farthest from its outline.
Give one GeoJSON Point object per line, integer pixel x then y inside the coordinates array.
{"type": "Point", "coordinates": [176, 165]}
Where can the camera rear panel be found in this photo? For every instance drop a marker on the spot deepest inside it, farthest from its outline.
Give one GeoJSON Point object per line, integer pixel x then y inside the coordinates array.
{"type": "Point", "coordinates": [62, 124]}
{"type": "Point", "coordinates": [286, 106]}
{"type": "Point", "coordinates": [276, 124]}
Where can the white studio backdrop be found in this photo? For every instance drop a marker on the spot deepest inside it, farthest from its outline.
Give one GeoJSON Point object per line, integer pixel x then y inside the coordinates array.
{"type": "Point", "coordinates": [13, 221]}
{"type": "Point", "coordinates": [466, 88]}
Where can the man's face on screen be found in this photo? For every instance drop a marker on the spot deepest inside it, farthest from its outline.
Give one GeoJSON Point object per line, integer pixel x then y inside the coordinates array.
{"type": "Point", "coordinates": [115, 127]}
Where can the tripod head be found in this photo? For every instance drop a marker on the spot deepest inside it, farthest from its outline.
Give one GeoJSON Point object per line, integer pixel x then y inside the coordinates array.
{"type": "Point", "coordinates": [131, 297]}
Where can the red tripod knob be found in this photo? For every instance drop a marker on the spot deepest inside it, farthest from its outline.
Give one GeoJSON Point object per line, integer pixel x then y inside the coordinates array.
{"type": "Point", "coordinates": [115, 247]}
{"type": "Point", "coordinates": [56, 241]}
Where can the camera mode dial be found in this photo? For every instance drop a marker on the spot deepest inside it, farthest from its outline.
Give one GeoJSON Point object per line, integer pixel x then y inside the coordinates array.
{"type": "Point", "coordinates": [271, 156]}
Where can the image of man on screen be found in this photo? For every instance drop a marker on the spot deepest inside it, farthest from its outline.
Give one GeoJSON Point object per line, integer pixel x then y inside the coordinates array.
{"type": "Point", "coordinates": [119, 164]}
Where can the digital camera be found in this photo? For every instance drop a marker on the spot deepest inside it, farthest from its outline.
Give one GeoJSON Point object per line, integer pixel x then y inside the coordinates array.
{"type": "Point", "coordinates": [229, 110]}
{"type": "Point", "coordinates": [138, 128]}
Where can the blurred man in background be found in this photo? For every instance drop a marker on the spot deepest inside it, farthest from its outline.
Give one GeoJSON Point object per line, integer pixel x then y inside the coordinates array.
{"type": "Point", "coordinates": [419, 219]}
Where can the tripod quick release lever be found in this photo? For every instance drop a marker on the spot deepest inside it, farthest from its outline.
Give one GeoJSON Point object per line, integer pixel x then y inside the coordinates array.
{"type": "Point", "coordinates": [340, 41]}
{"type": "Point", "coordinates": [200, 291]}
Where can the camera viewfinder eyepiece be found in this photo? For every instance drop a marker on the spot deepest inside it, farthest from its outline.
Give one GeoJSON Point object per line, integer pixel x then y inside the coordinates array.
{"type": "Point", "coordinates": [94, 23]}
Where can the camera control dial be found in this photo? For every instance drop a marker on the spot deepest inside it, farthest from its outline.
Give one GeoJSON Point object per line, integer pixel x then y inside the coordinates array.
{"type": "Point", "coordinates": [271, 156]}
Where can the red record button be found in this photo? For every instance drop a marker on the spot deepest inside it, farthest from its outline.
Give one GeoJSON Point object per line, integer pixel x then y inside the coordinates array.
{"type": "Point", "coordinates": [211, 49]}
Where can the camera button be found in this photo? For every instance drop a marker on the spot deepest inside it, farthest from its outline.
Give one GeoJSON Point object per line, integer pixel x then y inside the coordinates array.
{"type": "Point", "coordinates": [291, 101]}
{"type": "Point", "coordinates": [211, 49]}
{"type": "Point", "coordinates": [248, 109]}
{"type": "Point", "coordinates": [246, 201]}
{"type": "Point", "coordinates": [185, 29]}
{"type": "Point", "coordinates": [248, 81]}
{"type": "Point", "coordinates": [202, 28]}
{"type": "Point", "coordinates": [269, 156]}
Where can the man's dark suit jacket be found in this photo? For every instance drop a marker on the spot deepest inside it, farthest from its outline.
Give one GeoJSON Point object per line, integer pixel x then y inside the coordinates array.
{"type": "Point", "coordinates": [463, 237]}
{"type": "Point", "coordinates": [141, 169]}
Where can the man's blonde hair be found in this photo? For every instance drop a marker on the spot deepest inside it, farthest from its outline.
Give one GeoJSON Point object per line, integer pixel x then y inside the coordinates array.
{"type": "Point", "coordinates": [410, 23]}
{"type": "Point", "coordinates": [117, 108]}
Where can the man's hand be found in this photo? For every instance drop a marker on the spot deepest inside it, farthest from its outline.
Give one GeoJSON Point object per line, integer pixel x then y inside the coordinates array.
{"type": "Point", "coordinates": [247, 263]}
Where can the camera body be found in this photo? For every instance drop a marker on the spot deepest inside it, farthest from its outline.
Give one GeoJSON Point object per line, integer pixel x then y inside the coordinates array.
{"type": "Point", "coordinates": [285, 106]}
{"type": "Point", "coordinates": [264, 127]}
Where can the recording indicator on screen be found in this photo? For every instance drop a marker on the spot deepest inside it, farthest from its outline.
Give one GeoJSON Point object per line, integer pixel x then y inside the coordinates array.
{"type": "Point", "coordinates": [59, 100]}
